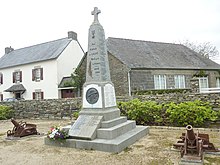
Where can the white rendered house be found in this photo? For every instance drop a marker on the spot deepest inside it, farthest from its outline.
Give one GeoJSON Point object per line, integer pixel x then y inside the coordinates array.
{"type": "Point", "coordinates": [35, 72]}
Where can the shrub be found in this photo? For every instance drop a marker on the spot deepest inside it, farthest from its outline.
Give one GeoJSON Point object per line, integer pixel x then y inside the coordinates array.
{"type": "Point", "coordinates": [194, 113]}
{"type": "Point", "coordinates": [143, 112]}
{"type": "Point", "coordinates": [6, 112]}
{"type": "Point", "coordinates": [218, 114]}
{"type": "Point", "coordinates": [76, 114]}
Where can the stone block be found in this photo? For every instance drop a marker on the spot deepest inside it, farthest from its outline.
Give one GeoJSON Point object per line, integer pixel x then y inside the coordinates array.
{"type": "Point", "coordinates": [114, 122]}
{"type": "Point", "coordinates": [108, 114]}
{"type": "Point", "coordinates": [113, 132]}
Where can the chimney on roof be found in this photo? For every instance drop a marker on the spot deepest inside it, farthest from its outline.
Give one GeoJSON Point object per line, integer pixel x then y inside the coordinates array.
{"type": "Point", "coordinates": [72, 35]}
{"type": "Point", "coordinates": [8, 50]}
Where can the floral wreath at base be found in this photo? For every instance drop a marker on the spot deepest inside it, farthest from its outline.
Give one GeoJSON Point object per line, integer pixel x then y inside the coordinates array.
{"type": "Point", "coordinates": [57, 133]}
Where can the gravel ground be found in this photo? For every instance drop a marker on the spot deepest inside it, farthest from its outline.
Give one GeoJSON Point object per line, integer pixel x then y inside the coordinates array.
{"type": "Point", "coordinates": [153, 149]}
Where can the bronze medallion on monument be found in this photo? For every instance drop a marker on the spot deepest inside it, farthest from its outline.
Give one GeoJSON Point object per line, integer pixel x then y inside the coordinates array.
{"type": "Point", "coordinates": [92, 95]}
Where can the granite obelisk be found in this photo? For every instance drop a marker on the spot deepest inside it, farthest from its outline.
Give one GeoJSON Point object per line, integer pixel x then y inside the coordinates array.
{"type": "Point", "coordinates": [99, 92]}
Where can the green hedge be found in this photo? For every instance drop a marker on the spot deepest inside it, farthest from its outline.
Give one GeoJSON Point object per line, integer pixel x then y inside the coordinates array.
{"type": "Point", "coordinates": [6, 112]}
{"type": "Point", "coordinates": [196, 113]}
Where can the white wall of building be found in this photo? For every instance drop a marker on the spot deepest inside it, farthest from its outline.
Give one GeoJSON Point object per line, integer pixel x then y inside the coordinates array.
{"type": "Point", "coordinates": [48, 85]}
{"type": "Point", "coordinates": [69, 60]}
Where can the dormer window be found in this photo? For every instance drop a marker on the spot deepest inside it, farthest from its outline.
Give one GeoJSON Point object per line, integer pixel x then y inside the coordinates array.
{"type": "Point", "coordinates": [17, 77]}
{"type": "Point", "coordinates": [37, 74]}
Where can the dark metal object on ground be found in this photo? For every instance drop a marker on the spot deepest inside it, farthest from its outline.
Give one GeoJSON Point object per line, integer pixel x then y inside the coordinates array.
{"type": "Point", "coordinates": [192, 145]}
{"type": "Point", "coordinates": [21, 129]}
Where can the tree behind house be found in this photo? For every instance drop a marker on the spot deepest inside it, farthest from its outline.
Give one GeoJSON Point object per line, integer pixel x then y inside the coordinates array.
{"type": "Point", "coordinates": [205, 49]}
{"type": "Point", "coordinates": [78, 77]}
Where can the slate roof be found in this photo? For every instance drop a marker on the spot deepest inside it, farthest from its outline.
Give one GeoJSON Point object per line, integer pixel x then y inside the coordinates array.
{"type": "Point", "coordinates": [157, 55]}
{"type": "Point", "coordinates": [41, 52]}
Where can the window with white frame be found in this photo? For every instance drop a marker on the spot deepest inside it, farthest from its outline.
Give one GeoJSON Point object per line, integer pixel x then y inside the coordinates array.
{"type": "Point", "coordinates": [179, 81]}
{"type": "Point", "coordinates": [17, 76]}
{"type": "Point", "coordinates": [218, 82]}
{"type": "Point", "coordinates": [37, 74]}
{"type": "Point", "coordinates": [159, 81]}
{"type": "Point", "coordinates": [38, 95]}
{"type": "Point", "coordinates": [203, 82]}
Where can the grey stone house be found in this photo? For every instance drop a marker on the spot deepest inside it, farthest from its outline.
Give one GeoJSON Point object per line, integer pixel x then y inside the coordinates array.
{"type": "Point", "coordinates": [143, 65]}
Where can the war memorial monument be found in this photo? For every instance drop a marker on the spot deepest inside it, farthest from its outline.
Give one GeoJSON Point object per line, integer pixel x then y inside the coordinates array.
{"type": "Point", "coordinates": [99, 125]}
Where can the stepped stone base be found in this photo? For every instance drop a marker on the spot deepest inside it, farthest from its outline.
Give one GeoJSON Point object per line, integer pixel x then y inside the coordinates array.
{"type": "Point", "coordinates": [103, 130]}
{"type": "Point", "coordinates": [114, 145]}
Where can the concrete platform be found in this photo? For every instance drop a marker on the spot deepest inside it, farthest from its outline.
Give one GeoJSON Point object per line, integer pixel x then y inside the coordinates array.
{"type": "Point", "coordinates": [115, 145]}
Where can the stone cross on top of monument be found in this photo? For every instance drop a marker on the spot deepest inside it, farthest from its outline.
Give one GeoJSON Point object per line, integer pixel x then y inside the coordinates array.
{"type": "Point", "coordinates": [95, 12]}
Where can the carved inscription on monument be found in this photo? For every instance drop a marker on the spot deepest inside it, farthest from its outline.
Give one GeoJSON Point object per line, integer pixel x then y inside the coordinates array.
{"type": "Point", "coordinates": [109, 92]}
{"type": "Point", "coordinates": [85, 127]}
{"type": "Point", "coordinates": [94, 68]}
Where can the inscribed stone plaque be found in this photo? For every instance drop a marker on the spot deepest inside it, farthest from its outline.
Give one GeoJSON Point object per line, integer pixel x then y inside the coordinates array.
{"type": "Point", "coordinates": [109, 92]}
{"type": "Point", "coordinates": [85, 127]}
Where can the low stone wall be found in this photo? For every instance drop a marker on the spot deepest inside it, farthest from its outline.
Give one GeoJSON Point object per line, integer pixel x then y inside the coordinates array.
{"type": "Point", "coordinates": [62, 108]}
{"type": "Point", "coordinates": [45, 109]}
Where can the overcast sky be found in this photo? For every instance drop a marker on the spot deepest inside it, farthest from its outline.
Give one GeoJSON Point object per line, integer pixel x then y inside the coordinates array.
{"type": "Point", "coordinates": [29, 22]}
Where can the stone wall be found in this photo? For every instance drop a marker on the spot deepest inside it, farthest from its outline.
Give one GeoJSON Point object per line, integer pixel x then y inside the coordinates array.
{"type": "Point", "coordinates": [143, 79]}
{"type": "Point", "coordinates": [45, 109]}
{"type": "Point", "coordinates": [213, 98]}
{"type": "Point", "coordinates": [64, 108]}
{"type": "Point", "coordinates": [119, 76]}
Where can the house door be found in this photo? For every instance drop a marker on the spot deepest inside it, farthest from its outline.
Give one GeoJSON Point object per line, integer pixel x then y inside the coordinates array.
{"type": "Point", "coordinates": [18, 95]}
{"type": "Point", "coordinates": [67, 93]}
